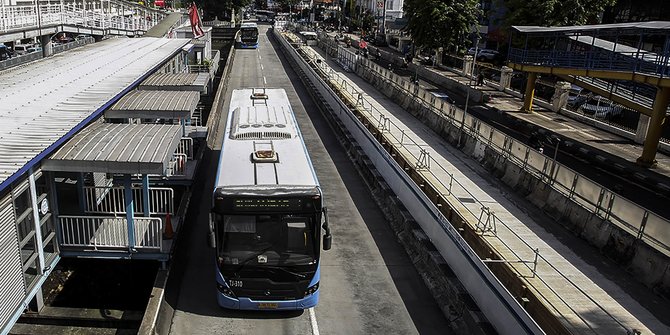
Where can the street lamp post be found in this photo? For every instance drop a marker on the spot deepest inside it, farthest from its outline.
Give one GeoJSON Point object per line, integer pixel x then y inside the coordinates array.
{"type": "Point", "coordinates": [553, 164]}
{"type": "Point", "coordinates": [467, 96]}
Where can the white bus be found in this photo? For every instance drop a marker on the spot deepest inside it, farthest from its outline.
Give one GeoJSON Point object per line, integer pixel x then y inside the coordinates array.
{"type": "Point", "coordinates": [267, 208]}
{"type": "Point", "coordinates": [247, 36]}
{"type": "Point", "coordinates": [308, 37]}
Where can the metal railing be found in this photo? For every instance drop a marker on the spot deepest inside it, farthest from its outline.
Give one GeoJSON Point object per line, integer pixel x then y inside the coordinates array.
{"type": "Point", "coordinates": [186, 147]}
{"type": "Point", "coordinates": [100, 232]}
{"type": "Point", "coordinates": [455, 191]}
{"type": "Point", "coordinates": [101, 14]}
{"type": "Point", "coordinates": [22, 59]}
{"type": "Point", "coordinates": [639, 62]}
{"type": "Point", "coordinates": [177, 165]}
{"type": "Point", "coordinates": [111, 200]}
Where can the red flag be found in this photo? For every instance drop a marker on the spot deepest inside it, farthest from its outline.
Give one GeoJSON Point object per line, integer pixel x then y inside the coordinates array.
{"type": "Point", "coordinates": [196, 25]}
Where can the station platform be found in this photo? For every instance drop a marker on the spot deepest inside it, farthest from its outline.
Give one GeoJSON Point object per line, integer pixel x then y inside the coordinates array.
{"type": "Point", "coordinates": [608, 308]}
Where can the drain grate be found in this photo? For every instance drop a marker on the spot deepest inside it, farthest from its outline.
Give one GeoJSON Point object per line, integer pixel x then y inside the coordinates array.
{"type": "Point", "coordinates": [468, 200]}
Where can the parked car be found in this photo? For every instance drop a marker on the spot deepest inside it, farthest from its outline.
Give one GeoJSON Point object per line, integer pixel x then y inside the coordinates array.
{"type": "Point", "coordinates": [601, 108]}
{"type": "Point", "coordinates": [488, 55]}
{"type": "Point", "coordinates": [577, 96]}
{"type": "Point", "coordinates": [5, 52]}
{"type": "Point", "coordinates": [22, 49]}
{"type": "Point", "coordinates": [442, 95]}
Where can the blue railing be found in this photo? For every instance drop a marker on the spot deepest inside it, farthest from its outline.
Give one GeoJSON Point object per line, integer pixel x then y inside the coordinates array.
{"type": "Point", "coordinates": [638, 62]}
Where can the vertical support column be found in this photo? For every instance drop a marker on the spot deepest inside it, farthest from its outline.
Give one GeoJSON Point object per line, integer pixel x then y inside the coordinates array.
{"type": "Point", "coordinates": [53, 196]}
{"type": "Point", "coordinates": [560, 98]}
{"type": "Point", "coordinates": [642, 127]}
{"type": "Point", "coordinates": [467, 65]}
{"type": "Point", "coordinates": [80, 192]}
{"type": "Point", "coordinates": [145, 195]}
{"type": "Point", "coordinates": [36, 221]}
{"type": "Point", "coordinates": [130, 210]}
{"type": "Point", "coordinates": [505, 77]}
{"type": "Point", "coordinates": [45, 43]}
{"type": "Point", "coordinates": [530, 93]}
{"type": "Point", "coordinates": [37, 303]}
{"type": "Point", "coordinates": [655, 128]}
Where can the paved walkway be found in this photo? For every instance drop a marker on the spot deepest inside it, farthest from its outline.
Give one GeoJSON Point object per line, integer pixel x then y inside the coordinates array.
{"type": "Point", "coordinates": [579, 313]}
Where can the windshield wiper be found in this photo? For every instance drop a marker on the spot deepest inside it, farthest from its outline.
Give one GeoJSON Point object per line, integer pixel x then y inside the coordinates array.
{"type": "Point", "coordinates": [299, 275]}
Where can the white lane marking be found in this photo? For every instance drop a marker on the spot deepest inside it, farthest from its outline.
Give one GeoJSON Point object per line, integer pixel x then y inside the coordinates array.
{"type": "Point", "coordinates": [264, 81]}
{"type": "Point", "coordinates": [262, 67]}
{"type": "Point", "coordinates": [312, 319]}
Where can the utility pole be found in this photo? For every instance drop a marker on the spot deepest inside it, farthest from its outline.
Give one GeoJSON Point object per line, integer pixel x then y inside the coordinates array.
{"type": "Point", "coordinates": [467, 97]}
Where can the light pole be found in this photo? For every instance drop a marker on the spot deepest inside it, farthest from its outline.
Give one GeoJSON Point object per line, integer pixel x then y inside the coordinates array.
{"type": "Point", "coordinates": [467, 96]}
{"type": "Point", "coordinates": [553, 165]}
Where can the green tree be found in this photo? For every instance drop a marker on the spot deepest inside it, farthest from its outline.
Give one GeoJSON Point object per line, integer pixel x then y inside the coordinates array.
{"type": "Point", "coordinates": [554, 12]}
{"type": "Point", "coordinates": [220, 8]}
{"type": "Point", "coordinates": [441, 23]}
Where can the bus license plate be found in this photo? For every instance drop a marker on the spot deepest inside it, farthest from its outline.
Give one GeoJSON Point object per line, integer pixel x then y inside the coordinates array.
{"type": "Point", "coordinates": [268, 305]}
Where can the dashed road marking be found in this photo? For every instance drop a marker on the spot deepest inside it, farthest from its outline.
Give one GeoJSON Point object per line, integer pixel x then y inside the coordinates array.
{"type": "Point", "coordinates": [312, 319]}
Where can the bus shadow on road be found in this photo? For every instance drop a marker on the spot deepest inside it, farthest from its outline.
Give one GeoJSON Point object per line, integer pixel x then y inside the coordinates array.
{"type": "Point", "coordinates": [238, 314]}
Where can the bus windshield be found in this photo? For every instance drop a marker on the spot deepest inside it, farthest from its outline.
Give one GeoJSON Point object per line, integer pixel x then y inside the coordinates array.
{"type": "Point", "coordinates": [268, 239]}
{"type": "Point", "coordinates": [249, 34]}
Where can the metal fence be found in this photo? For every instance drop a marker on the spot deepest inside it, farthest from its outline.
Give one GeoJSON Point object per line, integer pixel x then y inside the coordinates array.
{"type": "Point", "coordinates": [109, 232]}
{"type": "Point", "coordinates": [120, 15]}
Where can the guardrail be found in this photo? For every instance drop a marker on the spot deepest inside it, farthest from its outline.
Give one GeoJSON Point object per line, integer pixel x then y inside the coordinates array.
{"type": "Point", "coordinates": [501, 308]}
{"type": "Point", "coordinates": [103, 14]}
{"type": "Point", "coordinates": [22, 59]}
{"type": "Point", "coordinates": [109, 232]}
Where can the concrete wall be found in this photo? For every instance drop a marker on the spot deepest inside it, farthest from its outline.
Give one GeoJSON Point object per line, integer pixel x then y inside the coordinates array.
{"type": "Point", "coordinates": [645, 263]}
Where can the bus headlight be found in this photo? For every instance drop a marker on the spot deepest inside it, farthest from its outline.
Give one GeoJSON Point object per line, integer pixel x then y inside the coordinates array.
{"type": "Point", "coordinates": [312, 289]}
{"type": "Point", "coordinates": [225, 290]}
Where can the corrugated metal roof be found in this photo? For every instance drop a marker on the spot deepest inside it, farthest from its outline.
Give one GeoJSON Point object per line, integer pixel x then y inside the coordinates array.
{"type": "Point", "coordinates": [155, 105]}
{"type": "Point", "coordinates": [117, 148]}
{"type": "Point", "coordinates": [176, 82]}
{"type": "Point", "coordinates": [43, 103]}
{"type": "Point", "coordinates": [650, 25]}
{"type": "Point", "coordinates": [619, 48]}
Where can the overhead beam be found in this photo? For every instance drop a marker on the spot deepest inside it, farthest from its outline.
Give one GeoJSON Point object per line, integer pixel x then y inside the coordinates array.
{"type": "Point", "coordinates": [603, 74]}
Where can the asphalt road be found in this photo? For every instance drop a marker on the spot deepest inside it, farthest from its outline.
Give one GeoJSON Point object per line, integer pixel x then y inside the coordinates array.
{"type": "Point", "coordinates": [368, 283]}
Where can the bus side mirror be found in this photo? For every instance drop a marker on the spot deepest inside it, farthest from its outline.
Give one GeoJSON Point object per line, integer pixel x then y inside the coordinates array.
{"type": "Point", "coordinates": [327, 238]}
{"type": "Point", "coordinates": [211, 237]}
{"type": "Point", "coordinates": [327, 241]}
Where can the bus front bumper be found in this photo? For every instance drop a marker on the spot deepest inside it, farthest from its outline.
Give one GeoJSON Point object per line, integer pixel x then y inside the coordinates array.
{"type": "Point", "coordinates": [248, 304]}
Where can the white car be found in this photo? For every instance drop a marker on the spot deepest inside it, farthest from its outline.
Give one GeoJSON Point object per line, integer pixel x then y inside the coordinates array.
{"type": "Point", "coordinates": [601, 108]}
{"type": "Point", "coordinates": [22, 49]}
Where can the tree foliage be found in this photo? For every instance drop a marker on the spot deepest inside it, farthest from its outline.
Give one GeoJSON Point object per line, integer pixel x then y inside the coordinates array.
{"type": "Point", "coordinates": [554, 12]}
{"type": "Point", "coordinates": [441, 23]}
{"type": "Point", "coordinates": [219, 8]}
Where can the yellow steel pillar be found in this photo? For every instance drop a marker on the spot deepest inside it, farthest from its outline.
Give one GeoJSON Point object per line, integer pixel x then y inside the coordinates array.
{"type": "Point", "coordinates": [530, 92]}
{"type": "Point", "coordinates": [655, 128]}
